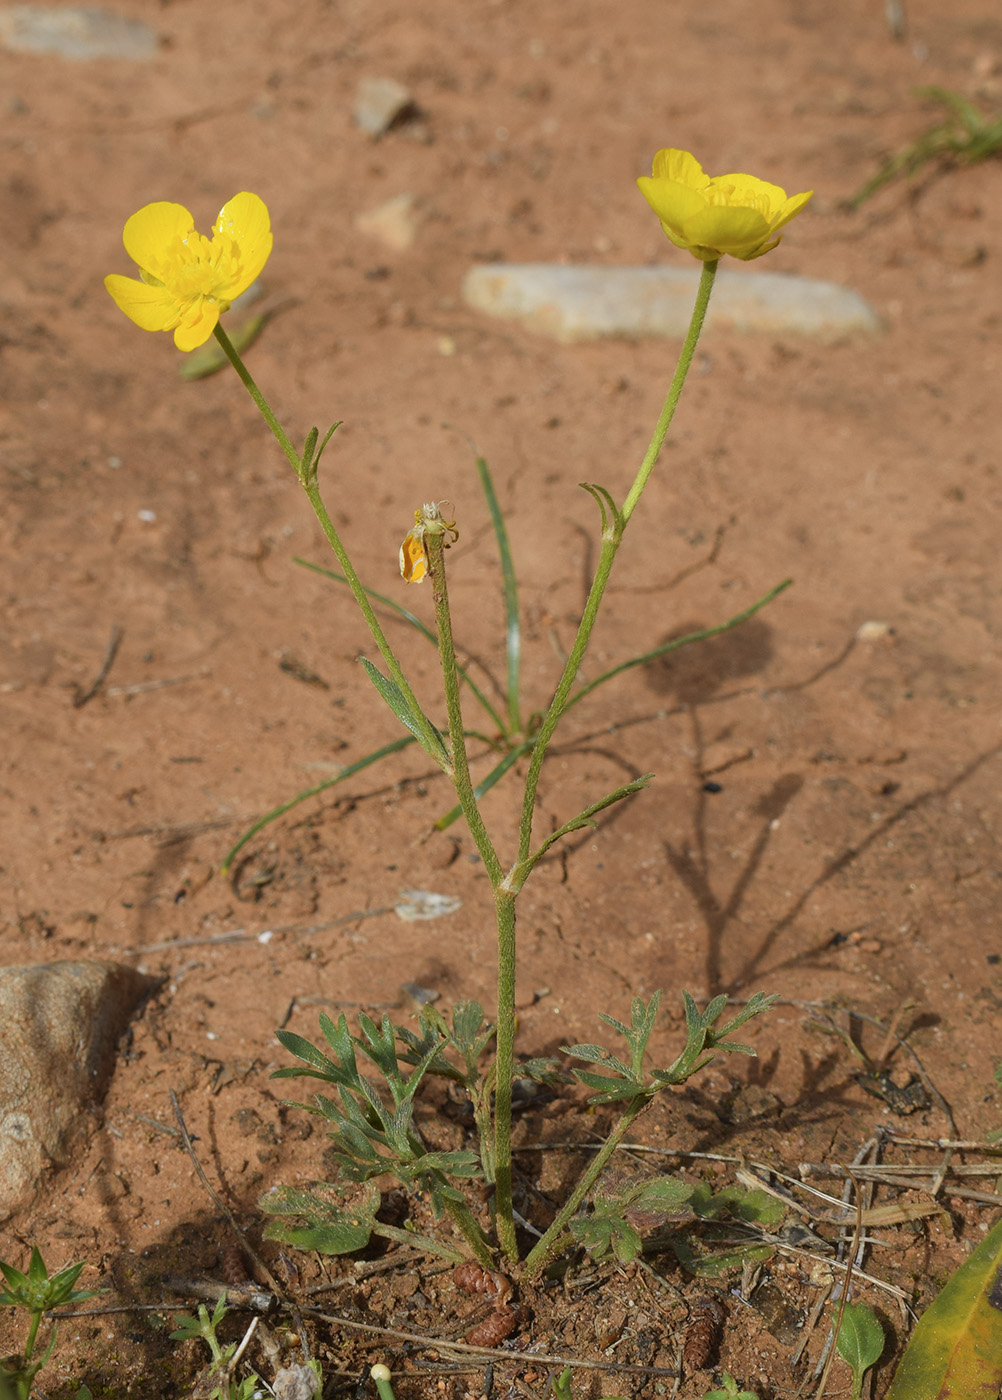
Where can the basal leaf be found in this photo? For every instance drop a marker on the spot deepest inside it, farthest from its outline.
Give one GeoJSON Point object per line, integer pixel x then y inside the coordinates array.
{"type": "Point", "coordinates": [956, 1348]}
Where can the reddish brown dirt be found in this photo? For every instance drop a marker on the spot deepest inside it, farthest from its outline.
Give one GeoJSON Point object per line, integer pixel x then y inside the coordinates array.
{"type": "Point", "coordinates": [851, 854]}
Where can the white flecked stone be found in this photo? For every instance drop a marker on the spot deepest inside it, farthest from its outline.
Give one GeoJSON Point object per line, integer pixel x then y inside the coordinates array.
{"type": "Point", "coordinates": [571, 304]}
{"type": "Point", "coordinates": [75, 32]}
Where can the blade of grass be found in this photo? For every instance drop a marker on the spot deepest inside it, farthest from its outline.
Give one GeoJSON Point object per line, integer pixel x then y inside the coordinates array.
{"type": "Point", "coordinates": [420, 626]}
{"type": "Point", "coordinates": [277, 812]}
{"type": "Point", "coordinates": [513, 625]}
{"type": "Point", "coordinates": [678, 642]}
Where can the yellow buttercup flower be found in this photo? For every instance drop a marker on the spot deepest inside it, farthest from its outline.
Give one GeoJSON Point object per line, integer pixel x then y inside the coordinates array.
{"type": "Point", "coordinates": [189, 280]}
{"type": "Point", "coordinates": [736, 214]}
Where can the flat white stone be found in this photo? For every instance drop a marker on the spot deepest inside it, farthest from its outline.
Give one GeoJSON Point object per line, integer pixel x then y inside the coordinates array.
{"type": "Point", "coordinates": [75, 32]}
{"type": "Point", "coordinates": [378, 104]}
{"type": "Point", "coordinates": [571, 304]}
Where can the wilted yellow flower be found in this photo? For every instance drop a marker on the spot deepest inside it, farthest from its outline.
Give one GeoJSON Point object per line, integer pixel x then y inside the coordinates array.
{"type": "Point", "coordinates": [188, 280]}
{"type": "Point", "coordinates": [736, 214]}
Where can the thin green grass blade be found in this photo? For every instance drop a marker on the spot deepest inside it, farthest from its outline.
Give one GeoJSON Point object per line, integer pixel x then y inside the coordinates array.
{"type": "Point", "coordinates": [678, 642]}
{"type": "Point", "coordinates": [421, 627]}
{"type": "Point", "coordinates": [513, 625]}
{"type": "Point", "coordinates": [277, 812]}
{"type": "Point", "coordinates": [485, 785]}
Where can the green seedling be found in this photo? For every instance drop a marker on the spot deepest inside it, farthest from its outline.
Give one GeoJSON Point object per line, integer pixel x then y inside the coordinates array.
{"type": "Point", "coordinates": [220, 1383]}
{"type": "Point", "coordinates": [561, 1387]}
{"type": "Point", "coordinates": [860, 1342]}
{"type": "Point", "coordinates": [36, 1292]}
{"type": "Point", "coordinates": [729, 1391]}
{"type": "Point", "coordinates": [380, 1374]}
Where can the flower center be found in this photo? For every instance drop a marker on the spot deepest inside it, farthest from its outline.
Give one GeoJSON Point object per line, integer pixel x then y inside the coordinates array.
{"type": "Point", "coordinates": [197, 267]}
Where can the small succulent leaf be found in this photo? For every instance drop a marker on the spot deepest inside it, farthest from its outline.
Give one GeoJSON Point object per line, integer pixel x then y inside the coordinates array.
{"type": "Point", "coordinates": [38, 1275]}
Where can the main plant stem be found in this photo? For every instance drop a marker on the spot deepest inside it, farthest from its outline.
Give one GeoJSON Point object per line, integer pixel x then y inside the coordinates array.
{"type": "Point", "coordinates": [504, 903]}
{"type": "Point", "coordinates": [612, 537]}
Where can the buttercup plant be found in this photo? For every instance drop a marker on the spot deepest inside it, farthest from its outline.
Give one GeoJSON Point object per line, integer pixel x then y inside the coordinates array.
{"type": "Point", "coordinates": [186, 282]}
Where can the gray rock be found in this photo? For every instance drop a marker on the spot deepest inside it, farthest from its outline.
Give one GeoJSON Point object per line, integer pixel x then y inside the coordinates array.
{"type": "Point", "coordinates": [378, 104]}
{"type": "Point", "coordinates": [75, 32]}
{"type": "Point", "coordinates": [588, 303]}
{"type": "Point", "coordinates": [59, 1028]}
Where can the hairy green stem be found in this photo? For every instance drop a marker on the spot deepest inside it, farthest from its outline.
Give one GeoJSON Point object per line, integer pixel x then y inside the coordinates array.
{"type": "Point", "coordinates": [429, 738]}
{"type": "Point", "coordinates": [435, 545]}
{"type": "Point", "coordinates": [612, 536]}
{"type": "Point", "coordinates": [282, 437]}
{"type": "Point", "coordinates": [504, 903]}
{"type": "Point", "coordinates": [471, 1232]}
{"type": "Point", "coordinates": [29, 1346]}
{"type": "Point", "coordinates": [696, 320]}
{"type": "Point", "coordinates": [544, 1249]}
{"type": "Point", "coordinates": [505, 1071]}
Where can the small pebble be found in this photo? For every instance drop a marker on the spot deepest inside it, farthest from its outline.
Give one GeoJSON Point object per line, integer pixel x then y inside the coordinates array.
{"type": "Point", "coordinates": [873, 631]}
{"type": "Point", "coordinates": [393, 223]}
{"type": "Point", "coordinates": [379, 102]}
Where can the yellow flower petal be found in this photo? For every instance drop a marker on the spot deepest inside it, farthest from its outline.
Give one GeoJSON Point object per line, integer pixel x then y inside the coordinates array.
{"type": "Point", "coordinates": [154, 231]}
{"type": "Point", "coordinates": [245, 219]}
{"type": "Point", "coordinates": [723, 229]}
{"type": "Point", "coordinates": [198, 325]}
{"type": "Point", "coordinates": [152, 308]}
{"type": "Point", "coordinates": [674, 203]}
{"type": "Point", "coordinates": [681, 167]}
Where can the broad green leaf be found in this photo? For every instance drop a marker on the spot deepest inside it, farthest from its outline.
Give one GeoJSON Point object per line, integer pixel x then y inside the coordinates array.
{"type": "Point", "coordinates": [717, 1265]}
{"type": "Point", "coordinates": [599, 1233]}
{"type": "Point", "coordinates": [330, 1228]}
{"type": "Point", "coordinates": [860, 1341]}
{"type": "Point", "coordinates": [955, 1352]}
{"type": "Point", "coordinates": [325, 1239]}
{"type": "Point", "coordinates": [755, 1206]}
